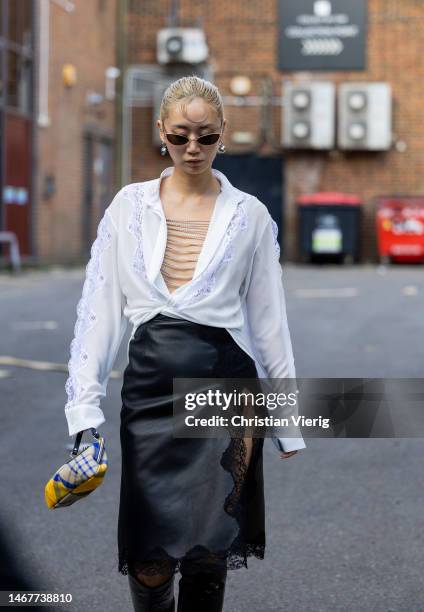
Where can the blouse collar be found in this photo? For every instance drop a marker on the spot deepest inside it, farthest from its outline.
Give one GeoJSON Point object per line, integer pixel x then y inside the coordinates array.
{"type": "Point", "coordinates": [227, 189]}
{"type": "Point", "coordinates": [224, 210]}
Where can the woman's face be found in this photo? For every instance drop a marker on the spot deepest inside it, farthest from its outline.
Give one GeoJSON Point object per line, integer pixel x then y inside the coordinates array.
{"type": "Point", "coordinates": [198, 119]}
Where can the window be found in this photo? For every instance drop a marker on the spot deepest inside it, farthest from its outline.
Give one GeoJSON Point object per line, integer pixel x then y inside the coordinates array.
{"type": "Point", "coordinates": [1, 17]}
{"type": "Point", "coordinates": [19, 82]}
{"type": "Point", "coordinates": [19, 22]}
{"type": "Point", "coordinates": [16, 54]}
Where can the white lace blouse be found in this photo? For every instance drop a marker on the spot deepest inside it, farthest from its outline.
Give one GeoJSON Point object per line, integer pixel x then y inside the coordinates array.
{"type": "Point", "coordinates": [236, 284]}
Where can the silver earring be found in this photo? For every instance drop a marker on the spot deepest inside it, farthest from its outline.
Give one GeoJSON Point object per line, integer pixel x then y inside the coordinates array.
{"type": "Point", "coordinates": [163, 149]}
{"type": "Point", "coordinates": [221, 148]}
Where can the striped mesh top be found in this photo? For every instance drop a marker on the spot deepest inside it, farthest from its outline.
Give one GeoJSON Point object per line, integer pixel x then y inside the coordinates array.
{"type": "Point", "coordinates": [184, 242]}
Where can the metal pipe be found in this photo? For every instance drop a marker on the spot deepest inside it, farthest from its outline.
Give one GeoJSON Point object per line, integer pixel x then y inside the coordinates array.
{"type": "Point", "coordinates": [43, 83]}
{"type": "Point", "coordinates": [121, 61]}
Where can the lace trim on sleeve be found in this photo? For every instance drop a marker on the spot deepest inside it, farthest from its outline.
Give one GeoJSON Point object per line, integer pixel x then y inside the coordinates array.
{"type": "Point", "coordinates": [275, 234]}
{"type": "Point", "coordinates": [135, 226]}
{"type": "Point", "coordinates": [205, 282]}
{"type": "Point", "coordinates": [86, 317]}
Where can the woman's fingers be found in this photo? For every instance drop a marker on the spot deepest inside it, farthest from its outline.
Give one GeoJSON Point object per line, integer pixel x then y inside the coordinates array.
{"type": "Point", "coordinates": [289, 454]}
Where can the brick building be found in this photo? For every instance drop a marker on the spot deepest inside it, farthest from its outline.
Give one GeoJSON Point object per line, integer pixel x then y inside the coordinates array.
{"type": "Point", "coordinates": [75, 142]}
{"type": "Point", "coordinates": [58, 117]}
{"type": "Point", "coordinates": [67, 143]}
{"type": "Point", "coordinates": [243, 39]}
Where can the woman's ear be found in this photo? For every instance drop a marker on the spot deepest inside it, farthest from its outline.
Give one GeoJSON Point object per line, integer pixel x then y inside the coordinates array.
{"type": "Point", "coordinates": [159, 124]}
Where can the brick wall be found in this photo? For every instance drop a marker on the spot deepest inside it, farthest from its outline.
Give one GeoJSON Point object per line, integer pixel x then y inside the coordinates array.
{"type": "Point", "coordinates": [85, 38]}
{"type": "Point", "coordinates": [395, 31]}
{"type": "Point", "coordinates": [242, 38]}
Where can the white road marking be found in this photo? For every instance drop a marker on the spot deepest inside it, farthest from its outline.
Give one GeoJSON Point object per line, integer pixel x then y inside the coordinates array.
{"type": "Point", "coordinates": [33, 364]}
{"type": "Point", "coordinates": [341, 292]}
{"type": "Point", "coordinates": [35, 325]}
{"type": "Point", "coordinates": [410, 290]}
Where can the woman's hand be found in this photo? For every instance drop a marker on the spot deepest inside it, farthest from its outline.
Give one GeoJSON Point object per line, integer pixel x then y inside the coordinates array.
{"type": "Point", "coordinates": [287, 455]}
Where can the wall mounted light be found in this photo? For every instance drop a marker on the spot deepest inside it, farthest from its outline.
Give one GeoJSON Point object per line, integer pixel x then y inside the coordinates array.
{"type": "Point", "coordinates": [49, 186]}
{"type": "Point", "coordinates": [69, 75]}
{"type": "Point", "coordinates": [240, 85]}
{"type": "Point", "coordinates": [112, 73]}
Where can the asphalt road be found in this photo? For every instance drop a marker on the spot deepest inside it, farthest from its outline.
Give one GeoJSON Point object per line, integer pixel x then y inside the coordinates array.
{"type": "Point", "coordinates": [344, 517]}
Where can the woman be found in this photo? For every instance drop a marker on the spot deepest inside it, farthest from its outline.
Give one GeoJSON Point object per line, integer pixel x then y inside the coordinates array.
{"type": "Point", "coordinates": [193, 263]}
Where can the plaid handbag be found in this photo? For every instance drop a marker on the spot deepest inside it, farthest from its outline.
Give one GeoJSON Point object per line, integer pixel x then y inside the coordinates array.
{"type": "Point", "coordinates": [80, 475]}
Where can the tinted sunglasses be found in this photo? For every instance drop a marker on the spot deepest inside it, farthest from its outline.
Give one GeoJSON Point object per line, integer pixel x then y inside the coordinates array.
{"type": "Point", "coordinates": [208, 139]}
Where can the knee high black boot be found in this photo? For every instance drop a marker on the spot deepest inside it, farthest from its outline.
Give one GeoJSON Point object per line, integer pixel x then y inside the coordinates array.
{"type": "Point", "coordinates": [152, 599]}
{"type": "Point", "coordinates": [202, 592]}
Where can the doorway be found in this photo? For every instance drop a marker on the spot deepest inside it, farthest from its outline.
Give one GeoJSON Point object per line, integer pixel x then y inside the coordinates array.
{"type": "Point", "coordinates": [259, 176]}
{"type": "Point", "coordinates": [98, 184]}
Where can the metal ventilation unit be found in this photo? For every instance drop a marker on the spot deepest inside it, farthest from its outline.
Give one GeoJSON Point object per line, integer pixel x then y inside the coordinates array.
{"type": "Point", "coordinates": [308, 115]}
{"type": "Point", "coordinates": [365, 116]}
{"type": "Point", "coordinates": [181, 45]}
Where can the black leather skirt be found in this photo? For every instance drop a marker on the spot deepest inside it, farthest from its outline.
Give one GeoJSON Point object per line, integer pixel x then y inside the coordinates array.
{"type": "Point", "coordinates": [191, 503]}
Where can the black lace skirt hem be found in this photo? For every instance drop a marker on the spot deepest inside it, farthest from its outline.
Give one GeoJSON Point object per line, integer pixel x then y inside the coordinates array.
{"type": "Point", "coordinates": [233, 560]}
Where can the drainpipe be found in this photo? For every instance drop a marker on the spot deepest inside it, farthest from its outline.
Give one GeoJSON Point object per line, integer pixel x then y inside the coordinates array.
{"type": "Point", "coordinates": [43, 83]}
{"type": "Point", "coordinates": [44, 52]}
{"type": "Point", "coordinates": [121, 62]}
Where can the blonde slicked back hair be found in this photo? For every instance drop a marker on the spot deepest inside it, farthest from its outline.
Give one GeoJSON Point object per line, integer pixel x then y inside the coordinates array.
{"type": "Point", "coordinates": [185, 89]}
